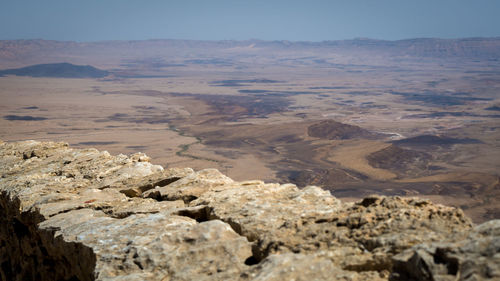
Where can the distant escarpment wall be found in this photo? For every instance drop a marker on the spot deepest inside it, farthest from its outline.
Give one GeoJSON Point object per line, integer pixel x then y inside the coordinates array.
{"type": "Point", "coordinates": [71, 214]}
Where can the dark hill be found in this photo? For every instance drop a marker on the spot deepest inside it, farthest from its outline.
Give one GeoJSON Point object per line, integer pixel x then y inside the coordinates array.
{"type": "Point", "coordinates": [403, 161]}
{"type": "Point", "coordinates": [59, 70]}
{"type": "Point", "coordinates": [495, 108]}
{"type": "Point", "coordinates": [334, 130]}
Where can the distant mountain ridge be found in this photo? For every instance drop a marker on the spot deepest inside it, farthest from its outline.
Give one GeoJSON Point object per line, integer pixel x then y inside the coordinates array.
{"type": "Point", "coordinates": [58, 70]}
{"type": "Point", "coordinates": [43, 51]}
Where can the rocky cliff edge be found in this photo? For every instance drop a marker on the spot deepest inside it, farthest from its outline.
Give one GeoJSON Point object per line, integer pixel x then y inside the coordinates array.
{"type": "Point", "coordinates": [83, 214]}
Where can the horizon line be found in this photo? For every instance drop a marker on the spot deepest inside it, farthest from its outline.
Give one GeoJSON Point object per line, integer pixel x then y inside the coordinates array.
{"type": "Point", "coordinates": [256, 39]}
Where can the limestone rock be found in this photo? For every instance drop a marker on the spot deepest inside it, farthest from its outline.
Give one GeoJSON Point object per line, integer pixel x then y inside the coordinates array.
{"type": "Point", "coordinates": [475, 258]}
{"type": "Point", "coordinates": [82, 214]}
{"type": "Point", "coordinates": [270, 214]}
{"type": "Point", "coordinates": [301, 267]}
{"type": "Point", "coordinates": [65, 216]}
{"type": "Point", "coordinates": [362, 236]}
{"type": "Point", "coordinates": [141, 243]}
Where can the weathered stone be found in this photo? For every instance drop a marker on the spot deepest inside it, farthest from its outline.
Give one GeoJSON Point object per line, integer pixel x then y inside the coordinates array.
{"type": "Point", "coordinates": [282, 218]}
{"type": "Point", "coordinates": [70, 214]}
{"type": "Point", "coordinates": [301, 267]}
{"type": "Point", "coordinates": [143, 242]}
{"type": "Point", "coordinates": [65, 217]}
{"type": "Point", "coordinates": [271, 214]}
{"type": "Point", "coordinates": [475, 258]}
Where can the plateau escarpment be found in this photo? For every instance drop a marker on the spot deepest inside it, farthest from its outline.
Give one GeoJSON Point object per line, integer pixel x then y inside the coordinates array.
{"type": "Point", "coordinates": [82, 214]}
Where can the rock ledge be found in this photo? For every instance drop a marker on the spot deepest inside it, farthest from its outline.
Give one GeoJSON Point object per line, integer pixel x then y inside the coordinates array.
{"type": "Point", "coordinates": [82, 214]}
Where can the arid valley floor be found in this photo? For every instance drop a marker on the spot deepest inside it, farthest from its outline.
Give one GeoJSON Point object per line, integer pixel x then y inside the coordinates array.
{"type": "Point", "coordinates": [411, 118]}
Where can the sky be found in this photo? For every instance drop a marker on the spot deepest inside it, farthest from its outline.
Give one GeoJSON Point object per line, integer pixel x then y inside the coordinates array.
{"type": "Point", "coordinates": [306, 20]}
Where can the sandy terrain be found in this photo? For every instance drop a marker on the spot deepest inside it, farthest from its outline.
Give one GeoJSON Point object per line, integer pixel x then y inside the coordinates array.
{"type": "Point", "coordinates": [247, 113]}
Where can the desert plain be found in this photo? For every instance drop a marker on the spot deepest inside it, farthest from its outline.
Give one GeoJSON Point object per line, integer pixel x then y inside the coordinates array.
{"type": "Point", "coordinates": [359, 117]}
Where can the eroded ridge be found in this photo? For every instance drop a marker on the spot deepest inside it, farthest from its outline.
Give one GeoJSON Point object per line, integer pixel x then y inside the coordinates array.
{"type": "Point", "coordinates": [72, 214]}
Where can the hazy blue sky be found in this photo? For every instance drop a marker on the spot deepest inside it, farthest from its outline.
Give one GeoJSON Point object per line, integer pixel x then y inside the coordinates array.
{"type": "Point", "coordinates": [312, 20]}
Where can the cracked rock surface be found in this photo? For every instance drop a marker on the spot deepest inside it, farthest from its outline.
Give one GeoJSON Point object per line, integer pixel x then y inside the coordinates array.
{"type": "Point", "coordinates": [82, 214]}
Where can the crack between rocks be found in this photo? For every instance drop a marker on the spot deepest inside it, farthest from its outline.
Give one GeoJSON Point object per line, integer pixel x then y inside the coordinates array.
{"type": "Point", "coordinates": [69, 210]}
{"type": "Point", "coordinates": [137, 190]}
